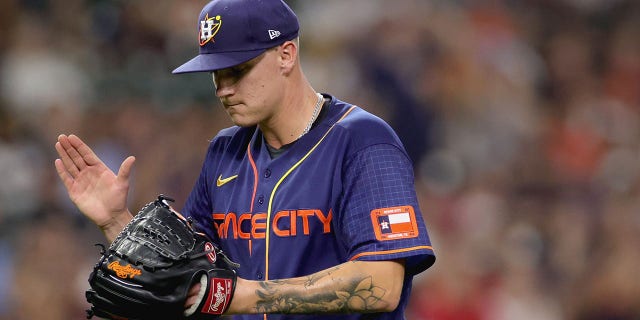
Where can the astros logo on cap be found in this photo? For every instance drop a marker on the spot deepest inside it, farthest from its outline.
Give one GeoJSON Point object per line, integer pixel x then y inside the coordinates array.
{"type": "Point", "coordinates": [208, 28]}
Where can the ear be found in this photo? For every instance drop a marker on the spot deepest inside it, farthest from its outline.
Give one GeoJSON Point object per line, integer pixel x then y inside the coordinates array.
{"type": "Point", "coordinates": [288, 55]}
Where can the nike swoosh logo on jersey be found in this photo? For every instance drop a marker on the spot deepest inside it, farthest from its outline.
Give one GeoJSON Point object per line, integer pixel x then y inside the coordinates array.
{"type": "Point", "coordinates": [221, 181]}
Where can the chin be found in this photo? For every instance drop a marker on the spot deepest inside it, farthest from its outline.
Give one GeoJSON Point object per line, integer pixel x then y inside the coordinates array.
{"type": "Point", "coordinates": [242, 122]}
{"type": "Point", "coordinates": [245, 125]}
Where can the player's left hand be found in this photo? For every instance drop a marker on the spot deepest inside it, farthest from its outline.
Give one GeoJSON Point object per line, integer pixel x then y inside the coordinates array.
{"type": "Point", "coordinates": [158, 267]}
{"type": "Point", "coordinates": [192, 296]}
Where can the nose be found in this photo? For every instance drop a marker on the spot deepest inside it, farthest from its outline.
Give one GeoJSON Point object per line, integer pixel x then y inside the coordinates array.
{"type": "Point", "coordinates": [224, 85]}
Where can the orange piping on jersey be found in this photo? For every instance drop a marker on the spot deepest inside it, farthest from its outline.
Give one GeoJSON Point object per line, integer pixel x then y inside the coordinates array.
{"type": "Point", "coordinates": [362, 254]}
{"type": "Point", "coordinates": [273, 192]}
{"type": "Point", "coordinates": [255, 176]}
{"type": "Point", "coordinates": [255, 187]}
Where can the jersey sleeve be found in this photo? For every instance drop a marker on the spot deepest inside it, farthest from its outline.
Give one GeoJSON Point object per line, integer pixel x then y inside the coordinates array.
{"type": "Point", "coordinates": [379, 215]}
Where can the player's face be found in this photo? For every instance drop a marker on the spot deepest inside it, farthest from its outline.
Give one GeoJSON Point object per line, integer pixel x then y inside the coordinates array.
{"type": "Point", "coordinates": [247, 90]}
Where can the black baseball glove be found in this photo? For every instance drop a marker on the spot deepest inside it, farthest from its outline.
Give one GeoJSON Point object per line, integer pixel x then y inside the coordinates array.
{"type": "Point", "coordinates": [149, 268]}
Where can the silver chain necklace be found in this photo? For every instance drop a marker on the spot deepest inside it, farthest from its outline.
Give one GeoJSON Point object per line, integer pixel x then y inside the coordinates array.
{"type": "Point", "coordinates": [316, 110]}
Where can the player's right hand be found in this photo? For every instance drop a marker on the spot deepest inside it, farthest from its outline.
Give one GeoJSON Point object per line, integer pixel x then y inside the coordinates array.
{"type": "Point", "coordinates": [98, 193]}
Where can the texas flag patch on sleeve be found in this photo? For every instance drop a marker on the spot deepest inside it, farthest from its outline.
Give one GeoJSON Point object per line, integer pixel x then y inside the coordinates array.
{"type": "Point", "coordinates": [394, 223]}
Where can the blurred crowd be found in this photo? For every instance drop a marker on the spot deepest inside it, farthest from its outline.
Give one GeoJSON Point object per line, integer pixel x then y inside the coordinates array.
{"type": "Point", "coordinates": [522, 119]}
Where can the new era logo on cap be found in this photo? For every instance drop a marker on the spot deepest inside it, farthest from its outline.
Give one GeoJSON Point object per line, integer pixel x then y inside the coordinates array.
{"type": "Point", "coordinates": [273, 34]}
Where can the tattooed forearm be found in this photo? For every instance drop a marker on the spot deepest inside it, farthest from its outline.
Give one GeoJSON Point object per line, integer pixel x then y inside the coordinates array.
{"type": "Point", "coordinates": [356, 294]}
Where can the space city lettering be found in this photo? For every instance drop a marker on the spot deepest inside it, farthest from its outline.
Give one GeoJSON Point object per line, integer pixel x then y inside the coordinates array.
{"type": "Point", "coordinates": [286, 223]}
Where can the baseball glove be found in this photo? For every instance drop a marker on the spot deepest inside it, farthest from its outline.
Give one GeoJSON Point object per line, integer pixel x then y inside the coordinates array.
{"type": "Point", "coordinates": [149, 268]}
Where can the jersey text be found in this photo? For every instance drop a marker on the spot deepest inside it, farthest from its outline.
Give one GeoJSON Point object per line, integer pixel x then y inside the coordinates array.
{"type": "Point", "coordinates": [286, 223]}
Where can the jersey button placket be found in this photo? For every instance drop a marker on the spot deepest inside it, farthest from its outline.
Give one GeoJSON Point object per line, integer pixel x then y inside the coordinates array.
{"type": "Point", "coordinates": [266, 174]}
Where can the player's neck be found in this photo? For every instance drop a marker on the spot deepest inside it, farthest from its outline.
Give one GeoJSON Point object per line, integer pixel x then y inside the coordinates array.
{"type": "Point", "coordinates": [296, 110]}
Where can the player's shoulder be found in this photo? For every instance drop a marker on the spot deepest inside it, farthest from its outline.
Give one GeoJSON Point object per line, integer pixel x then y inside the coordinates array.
{"type": "Point", "coordinates": [233, 132]}
{"type": "Point", "coordinates": [234, 137]}
{"type": "Point", "coordinates": [227, 132]}
{"type": "Point", "coordinates": [362, 127]}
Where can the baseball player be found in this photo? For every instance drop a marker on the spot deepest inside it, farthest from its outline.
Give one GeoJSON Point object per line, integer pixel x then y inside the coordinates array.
{"type": "Point", "coordinates": [312, 196]}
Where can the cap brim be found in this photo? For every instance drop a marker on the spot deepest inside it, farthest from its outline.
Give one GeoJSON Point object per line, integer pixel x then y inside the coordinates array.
{"type": "Point", "coordinates": [207, 62]}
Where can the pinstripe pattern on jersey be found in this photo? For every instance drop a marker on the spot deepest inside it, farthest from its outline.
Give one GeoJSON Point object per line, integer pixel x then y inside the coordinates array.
{"type": "Point", "coordinates": [275, 188]}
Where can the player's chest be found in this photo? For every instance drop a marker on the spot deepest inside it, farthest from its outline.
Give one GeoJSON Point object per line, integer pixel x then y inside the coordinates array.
{"type": "Point", "coordinates": [256, 183]}
{"type": "Point", "coordinates": [287, 200]}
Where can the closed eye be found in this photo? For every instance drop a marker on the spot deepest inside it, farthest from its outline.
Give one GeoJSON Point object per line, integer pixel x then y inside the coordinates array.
{"type": "Point", "coordinates": [233, 74]}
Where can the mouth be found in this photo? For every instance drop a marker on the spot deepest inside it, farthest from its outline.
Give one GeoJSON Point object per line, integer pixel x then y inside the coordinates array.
{"type": "Point", "coordinates": [232, 108]}
{"type": "Point", "coordinates": [228, 105]}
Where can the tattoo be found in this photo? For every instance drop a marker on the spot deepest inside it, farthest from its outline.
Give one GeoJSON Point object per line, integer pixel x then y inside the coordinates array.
{"type": "Point", "coordinates": [355, 294]}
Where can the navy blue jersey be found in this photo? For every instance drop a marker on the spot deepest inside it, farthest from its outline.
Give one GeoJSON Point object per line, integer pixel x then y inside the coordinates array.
{"type": "Point", "coordinates": [342, 192]}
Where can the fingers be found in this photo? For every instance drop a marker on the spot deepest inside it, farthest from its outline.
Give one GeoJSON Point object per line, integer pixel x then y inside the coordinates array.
{"type": "Point", "coordinates": [125, 168]}
{"type": "Point", "coordinates": [75, 154]}
{"type": "Point", "coordinates": [72, 159]}
{"type": "Point", "coordinates": [193, 295]}
{"type": "Point", "coordinates": [66, 178]}
{"type": "Point", "coordinates": [85, 155]}
{"type": "Point", "coordinates": [66, 162]}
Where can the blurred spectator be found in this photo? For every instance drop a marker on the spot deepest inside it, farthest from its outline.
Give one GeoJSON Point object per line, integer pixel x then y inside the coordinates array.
{"type": "Point", "coordinates": [50, 271]}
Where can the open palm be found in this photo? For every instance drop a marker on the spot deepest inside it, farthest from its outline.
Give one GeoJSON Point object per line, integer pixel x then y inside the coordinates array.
{"type": "Point", "coordinates": [98, 193]}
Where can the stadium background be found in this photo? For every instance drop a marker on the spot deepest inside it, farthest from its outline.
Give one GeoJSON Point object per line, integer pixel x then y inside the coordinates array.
{"type": "Point", "coordinates": [522, 119]}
